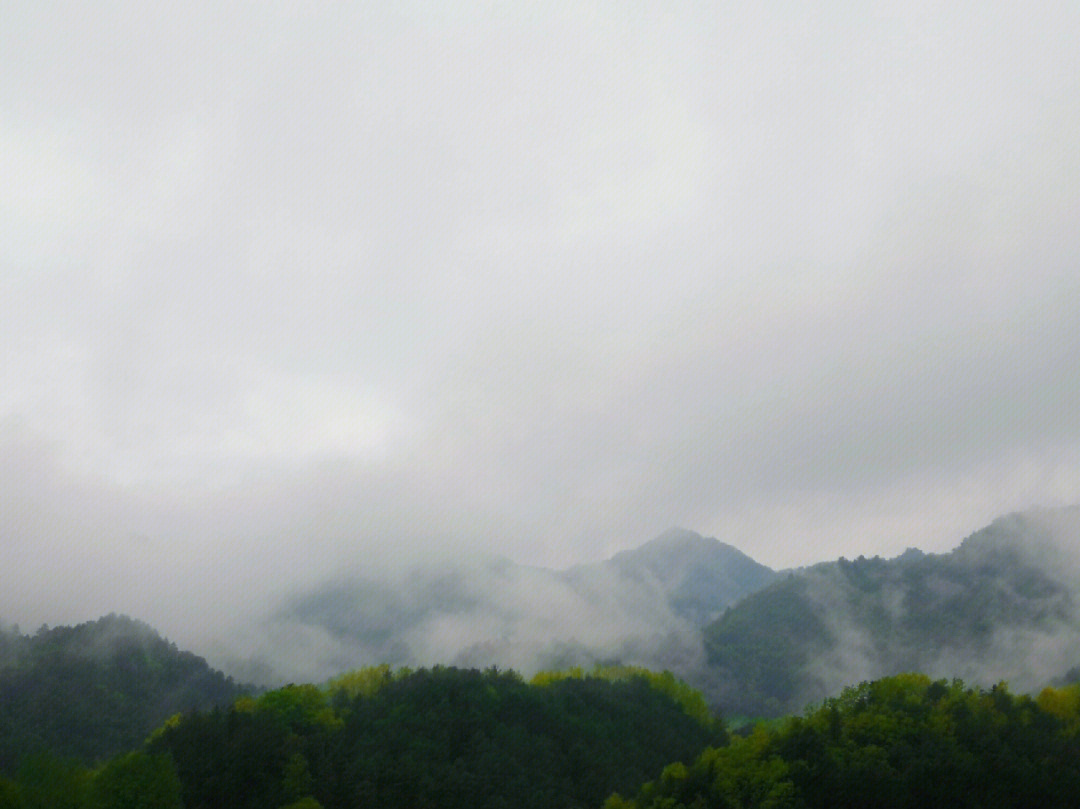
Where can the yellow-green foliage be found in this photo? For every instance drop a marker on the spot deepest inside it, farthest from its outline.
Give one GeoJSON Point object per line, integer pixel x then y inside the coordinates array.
{"type": "Point", "coordinates": [172, 722]}
{"type": "Point", "coordinates": [300, 704]}
{"type": "Point", "coordinates": [896, 742]}
{"type": "Point", "coordinates": [365, 682]}
{"type": "Point", "coordinates": [742, 774]}
{"type": "Point", "coordinates": [617, 801]}
{"type": "Point", "coordinates": [691, 701]}
{"type": "Point", "coordinates": [1064, 703]}
{"type": "Point", "coordinates": [543, 678]}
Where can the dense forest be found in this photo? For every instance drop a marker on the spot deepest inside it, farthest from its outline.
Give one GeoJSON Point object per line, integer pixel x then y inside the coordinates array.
{"type": "Point", "coordinates": [902, 742]}
{"type": "Point", "coordinates": [612, 739]}
{"type": "Point", "coordinates": [439, 737]}
{"type": "Point", "coordinates": [97, 689]}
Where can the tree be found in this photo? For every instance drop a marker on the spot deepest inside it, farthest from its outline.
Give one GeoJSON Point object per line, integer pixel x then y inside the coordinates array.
{"type": "Point", "coordinates": [304, 803]}
{"type": "Point", "coordinates": [48, 782]}
{"type": "Point", "coordinates": [136, 781]}
{"type": "Point", "coordinates": [9, 795]}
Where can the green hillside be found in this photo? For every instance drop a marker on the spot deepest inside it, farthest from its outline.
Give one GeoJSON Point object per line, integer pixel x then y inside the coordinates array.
{"type": "Point", "coordinates": [96, 689]}
{"type": "Point", "coordinates": [903, 742]}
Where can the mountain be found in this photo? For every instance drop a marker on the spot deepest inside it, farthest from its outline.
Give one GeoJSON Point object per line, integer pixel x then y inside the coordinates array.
{"type": "Point", "coordinates": [699, 577]}
{"type": "Point", "coordinates": [1001, 606]}
{"type": "Point", "coordinates": [96, 689]}
{"type": "Point", "coordinates": [642, 607]}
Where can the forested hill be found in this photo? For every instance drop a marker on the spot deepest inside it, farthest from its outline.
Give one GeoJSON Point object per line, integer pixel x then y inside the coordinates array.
{"type": "Point", "coordinates": [438, 738]}
{"type": "Point", "coordinates": [903, 742]}
{"type": "Point", "coordinates": [93, 690]}
{"type": "Point", "coordinates": [1002, 606]}
{"type": "Point", "coordinates": [446, 738]}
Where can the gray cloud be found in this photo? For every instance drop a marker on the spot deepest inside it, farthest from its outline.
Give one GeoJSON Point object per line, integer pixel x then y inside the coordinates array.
{"type": "Point", "coordinates": [283, 289]}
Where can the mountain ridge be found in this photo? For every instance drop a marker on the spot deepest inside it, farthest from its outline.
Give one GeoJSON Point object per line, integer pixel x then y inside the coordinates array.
{"type": "Point", "coordinates": [643, 606]}
{"type": "Point", "coordinates": [1002, 605]}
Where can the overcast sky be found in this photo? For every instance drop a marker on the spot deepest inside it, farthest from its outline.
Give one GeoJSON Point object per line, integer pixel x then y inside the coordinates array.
{"type": "Point", "coordinates": [288, 287]}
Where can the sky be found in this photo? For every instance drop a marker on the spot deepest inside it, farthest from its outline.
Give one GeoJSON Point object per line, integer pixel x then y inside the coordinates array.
{"type": "Point", "coordinates": [292, 288]}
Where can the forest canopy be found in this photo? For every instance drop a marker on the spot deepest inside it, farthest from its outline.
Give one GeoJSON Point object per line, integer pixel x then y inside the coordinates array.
{"type": "Point", "coordinates": [896, 743]}
{"type": "Point", "coordinates": [613, 738]}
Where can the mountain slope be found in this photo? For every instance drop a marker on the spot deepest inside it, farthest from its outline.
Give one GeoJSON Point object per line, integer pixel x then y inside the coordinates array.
{"type": "Point", "coordinates": [1002, 606]}
{"type": "Point", "coordinates": [96, 689]}
{"type": "Point", "coordinates": [642, 607]}
{"type": "Point", "coordinates": [699, 577]}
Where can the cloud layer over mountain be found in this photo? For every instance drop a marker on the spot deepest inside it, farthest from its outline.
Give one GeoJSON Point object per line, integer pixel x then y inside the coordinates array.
{"type": "Point", "coordinates": [286, 289]}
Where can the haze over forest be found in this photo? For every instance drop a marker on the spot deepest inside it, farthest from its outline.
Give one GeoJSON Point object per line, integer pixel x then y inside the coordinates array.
{"type": "Point", "coordinates": [292, 293]}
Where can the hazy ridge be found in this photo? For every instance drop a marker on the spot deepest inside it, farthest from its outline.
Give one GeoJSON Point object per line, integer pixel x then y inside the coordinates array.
{"type": "Point", "coordinates": [1001, 607]}
{"type": "Point", "coordinates": [642, 607]}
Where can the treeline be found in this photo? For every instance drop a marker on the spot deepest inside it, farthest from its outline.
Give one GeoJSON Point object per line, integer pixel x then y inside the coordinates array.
{"type": "Point", "coordinates": [91, 691]}
{"type": "Point", "coordinates": [442, 737]}
{"type": "Point", "coordinates": [894, 743]}
{"type": "Point", "coordinates": [376, 737]}
{"type": "Point", "coordinates": [135, 780]}
{"type": "Point", "coordinates": [448, 737]}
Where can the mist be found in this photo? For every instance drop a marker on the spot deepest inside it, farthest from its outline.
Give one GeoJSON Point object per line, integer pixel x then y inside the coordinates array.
{"type": "Point", "coordinates": [292, 294]}
{"type": "Point", "coordinates": [474, 615]}
{"type": "Point", "coordinates": [1018, 577]}
{"type": "Point", "coordinates": [644, 607]}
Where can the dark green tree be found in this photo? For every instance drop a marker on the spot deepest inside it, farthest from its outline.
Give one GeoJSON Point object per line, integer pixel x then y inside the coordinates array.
{"type": "Point", "coordinates": [136, 781]}
{"type": "Point", "coordinates": [48, 782]}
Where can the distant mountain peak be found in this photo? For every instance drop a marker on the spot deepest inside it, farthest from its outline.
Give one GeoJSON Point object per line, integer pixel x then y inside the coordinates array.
{"type": "Point", "coordinates": [681, 541]}
{"type": "Point", "coordinates": [678, 534]}
{"type": "Point", "coordinates": [701, 576]}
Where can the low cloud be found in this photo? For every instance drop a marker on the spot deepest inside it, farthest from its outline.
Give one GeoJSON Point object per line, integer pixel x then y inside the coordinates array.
{"type": "Point", "coordinates": [357, 288]}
